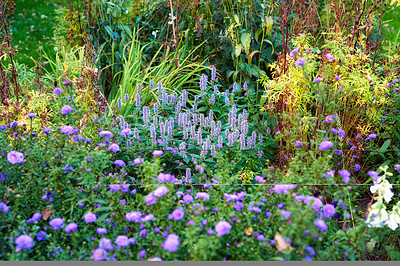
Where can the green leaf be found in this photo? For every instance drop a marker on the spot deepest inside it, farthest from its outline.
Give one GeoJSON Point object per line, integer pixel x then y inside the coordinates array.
{"type": "Point", "coordinates": [101, 209]}
{"type": "Point", "coordinates": [385, 146]}
{"type": "Point", "coordinates": [101, 201]}
{"type": "Point", "coordinates": [236, 17]}
{"type": "Point", "coordinates": [246, 40]}
{"type": "Point", "coordinates": [238, 50]}
{"type": "Point", "coordinates": [103, 217]}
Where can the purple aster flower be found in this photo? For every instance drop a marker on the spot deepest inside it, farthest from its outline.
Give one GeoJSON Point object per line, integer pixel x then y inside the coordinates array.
{"type": "Point", "coordinates": [316, 202]}
{"type": "Point", "coordinates": [106, 244]}
{"type": "Point", "coordinates": [178, 214]}
{"type": "Point", "coordinates": [71, 228]}
{"type": "Point", "coordinates": [101, 231]}
{"type": "Point", "coordinates": [126, 132]}
{"type": "Point", "coordinates": [300, 62]}
{"type": "Point", "coordinates": [99, 254]}
{"type": "Point", "coordinates": [148, 218]}
{"type": "Point", "coordinates": [261, 238]}
{"type": "Point", "coordinates": [155, 259]}
{"type": "Point", "coordinates": [222, 228]}
{"type": "Point", "coordinates": [397, 166]}
{"type": "Point", "coordinates": [160, 191]}
{"type": "Point", "coordinates": [254, 209]}
{"type": "Point", "coordinates": [209, 231]}
{"type": "Point", "coordinates": [67, 130]}
{"type": "Point", "coordinates": [187, 199]}
{"type": "Point", "coordinates": [330, 119]}
{"type": "Point", "coordinates": [24, 242]}
{"type": "Point", "coordinates": [310, 251]}
{"type": "Point", "coordinates": [342, 133]}
{"type": "Point", "coordinates": [134, 216]}
{"type": "Point", "coordinates": [285, 214]}
{"type": "Point", "coordinates": [357, 167]}
{"type": "Point", "coordinates": [3, 207]}
{"type": "Point", "coordinates": [138, 161]}
{"type": "Point", "coordinates": [328, 210]}
{"type": "Point", "coordinates": [90, 217]}
{"type": "Point", "coordinates": [114, 147]}
{"type": "Point", "coordinates": [15, 157]}
{"type": "Point", "coordinates": [57, 91]}
{"type": "Point", "coordinates": [317, 79]}
{"type": "Point", "coordinates": [67, 83]}
{"type": "Point", "coordinates": [259, 179]}
{"type": "Point", "coordinates": [171, 244]}
{"type": "Point", "coordinates": [375, 175]}
{"type": "Point", "coordinates": [106, 134]}
{"type": "Point", "coordinates": [150, 199]}
{"type": "Point", "coordinates": [31, 115]}
{"type": "Point", "coordinates": [56, 223]}
{"type": "Point", "coordinates": [202, 195]}
{"type": "Point", "coordinates": [298, 144]}
{"type": "Point", "coordinates": [122, 241]}
{"type": "Point", "coordinates": [293, 52]}
{"type": "Point", "coordinates": [321, 225]}
{"type": "Point", "coordinates": [142, 253]}
{"type": "Point", "coordinates": [338, 152]}
{"type": "Point", "coordinates": [41, 236]}
{"type": "Point", "coordinates": [345, 175]}
{"type": "Point", "coordinates": [66, 109]}
{"type": "Point", "coordinates": [115, 188]}
{"type": "Point", "coordinates": [119, 163]}
{"type": "Point", "coordinates": [143, 233]}
{"type": "Point", "coordinates": [157, 153]}
{"type": "Point", "coordinates": [283, 188]}
{"type": "Point", "coordinates": [238, 206]}
{"type": "Point", "coordinates": [325, 145]}
{"type": "Point", "coordinates": [329, 56]}
{"type": "Point", "coordinates": [372, 136]}
{"type": "Point", "coordinates": [36, 217]}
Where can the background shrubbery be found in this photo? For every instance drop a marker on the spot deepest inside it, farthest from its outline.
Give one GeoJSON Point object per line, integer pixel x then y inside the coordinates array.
{"type": "Point", "coordinates": [230, 130]}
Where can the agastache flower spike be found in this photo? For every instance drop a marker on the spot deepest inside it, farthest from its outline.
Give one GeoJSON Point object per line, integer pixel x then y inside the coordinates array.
{"type": "Point", "coordinates": [137, 100]}
{"type": "Point", "coordinates": [213, 74]}
{"type": "Point", "coordinates": [220, 141]}
{"type": "Point", "coordinates": [212, 99]}
{"type": "Point", "coordinates": [160, 90]}
{"type": "Point", "coordinates": [234, 87]}
{"type": "Point", "coordinates": [151, 86]}
{"type": "Point", "coordinates": [242, 142]}
{"type": "Point", "coordinates": [213, 151]}
{"type": "Point", "coordinates": [216, 91]}
{"type": "Point", "coordinates": [136, 133]}
{"type": "Point", "coordinates": [146, 114]}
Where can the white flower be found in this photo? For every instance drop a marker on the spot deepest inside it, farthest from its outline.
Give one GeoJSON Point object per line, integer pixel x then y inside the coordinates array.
{"type": "Point", "coordinates": [394, 220]}
{"type": "Point", "coordinates": [154, 33]}
{"type": "Point", "coordinates": [378, 216]}
{"type": "Point", "coordinates": [383, 189]}
{"type": "Point", "coordinates": [172, 18]}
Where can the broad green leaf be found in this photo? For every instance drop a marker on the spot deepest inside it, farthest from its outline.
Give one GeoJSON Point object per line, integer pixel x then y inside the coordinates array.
{"type": "Point", "coordinates": [246, 40]}
{"type": "Point", "coordinates": [238, 50]}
